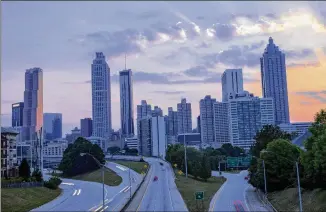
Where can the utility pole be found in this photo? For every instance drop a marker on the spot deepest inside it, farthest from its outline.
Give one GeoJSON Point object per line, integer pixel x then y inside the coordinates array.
{"type": "Point", "coordinates": [265, 178]}
{"type": "Point", "coordinates": [129, 183]}
{"type": "Point", "coordinates": [185, 145]}
{"type": "Point", "coordinates": [299, 188]}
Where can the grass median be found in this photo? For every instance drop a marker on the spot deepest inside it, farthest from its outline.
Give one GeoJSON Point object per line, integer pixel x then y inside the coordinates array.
{"type": "Point", "coordinates": [110, 177]}
{"type": "Point", "coordinates": [188, 187]}
{"type": "Point", "coordinates": [140, 167]}
{"type": "Point", "coordinates": [26, 199]}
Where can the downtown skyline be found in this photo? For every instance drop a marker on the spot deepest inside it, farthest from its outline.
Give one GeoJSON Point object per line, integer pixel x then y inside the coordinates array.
{"type": "Point", "coordinates": [180, 61]}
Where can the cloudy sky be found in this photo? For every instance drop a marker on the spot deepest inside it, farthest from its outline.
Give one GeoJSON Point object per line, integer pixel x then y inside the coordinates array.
{"type": "Point", "coordinates": [175, 49]}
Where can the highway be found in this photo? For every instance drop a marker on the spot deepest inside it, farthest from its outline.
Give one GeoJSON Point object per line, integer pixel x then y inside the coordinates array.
{"type": "Point", "coordinates": [160, 195]}
{"type": "Point", "coordinates": [233, 195]}
{"type": "Point", "coordinates": [87, 196]}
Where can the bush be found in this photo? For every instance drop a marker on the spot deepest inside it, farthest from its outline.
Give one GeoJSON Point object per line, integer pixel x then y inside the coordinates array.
{"type": "Point", "coordinates": [37, 176]}
{"type": "Point", "coordinates": [53, 183]}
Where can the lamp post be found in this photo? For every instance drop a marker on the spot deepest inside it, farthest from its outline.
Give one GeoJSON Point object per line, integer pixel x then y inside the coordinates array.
{"type": "Point", "coordinates": [185, 145]}
{"type": "Point", "coordinates": [102, 167]}
{"type": "Point", "coordinates": [298, 177]}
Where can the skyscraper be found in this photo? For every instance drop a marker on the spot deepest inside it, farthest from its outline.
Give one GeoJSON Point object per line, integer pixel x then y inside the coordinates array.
{"type": "Point", "coordinates": [157, 111]}
{"type": "Point", "coordinates": [143, 110]}
{"type": "Point", "coordinates": [172, 126]}
{"type": "Point", "coordinates": [17, 114]}
{"type": "Point", "coordinates": [101, 97]}
{"type": "Point", "coordinates": [221, 122]}
{"type": "Point", "coordinates": [33, 103]}
{"type": "Point", "coordinates": [52, 125]}
{"type": "Point", "coordinates": [198, 124]}
{"type": "Point", "coordinates": [247, 115]}
{"type": "Point", "coordinates": [207, 119]}
{"type": "Point", "coordinates": [86, 127]}
{"type": "Point", "coordinates": [126, 103]}
{"type": "Point", "coordinates": [274, 83]}
{"type": "Point", "coordinates": [232, 82]}
{"type": "Point", "coordinates": [184, 117]}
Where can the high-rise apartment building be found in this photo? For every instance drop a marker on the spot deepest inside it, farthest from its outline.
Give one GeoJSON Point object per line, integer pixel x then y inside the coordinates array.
{"type": "Point", "coordinates": [152, 136]}
{"type": "Point", "coordinates": [221, 122]}
{"type": "Point", "coordinates": [101, 97]}
{"type": "Point", "coordinates": [52, 125]}
{"type": "Point", "coordinates": [274, 82]}
{"type": "Point", "coordinates": [198, 124]}
{"type": "Point", "coordinates": [17, 114]}
{"type": "Point", "coordinates": [126, 103]}
{"type": "Point", "coordinates": [207, 119]}
{"type": "Point", "coordinates": [172, 126]}
{"type": "Point", "coordinates": [143, 110]}
{"type": "Point", "coordinates": [247, 115]}
{"type": "Point", "coordinates": [33, 103]}
{"type": "Point", "coordinates": [232, 82]}
{"type": "Point", "coordinates": [86, 127]}
{"type": "Point", "coordinates": [184, 117]}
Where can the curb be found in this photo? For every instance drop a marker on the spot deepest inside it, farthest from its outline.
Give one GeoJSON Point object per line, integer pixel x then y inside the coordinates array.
{"type": "Point", "coordinates": [134, 194]}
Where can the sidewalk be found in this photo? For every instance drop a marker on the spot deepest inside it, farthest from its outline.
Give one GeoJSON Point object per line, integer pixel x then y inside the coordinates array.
{"type": "Point", "coordinates": [254, 202]}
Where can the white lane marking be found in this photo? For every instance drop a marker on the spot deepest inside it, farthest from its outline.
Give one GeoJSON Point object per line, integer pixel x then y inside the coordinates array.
{"type": "Point", "coordinates": [79, 190]}
{"type": "Point", "coordinates": [75, 192]}
{"type": "Point", "coordinates": [217, 194]}
{"type": "Point", "coordinates": [97, 209]}
{"type": "Point", "coordinates": [104, 208]}
{"type": "Point", "coordinates": [68, 184]}
{"type": "Point", "coordinates": [121, 168]}
{"type": "Point", "coordinates": [168, 186]}
{"type": "Point", "coordinates": [127, 189]}
{"type": "Point", "coordinates": [123, 189]}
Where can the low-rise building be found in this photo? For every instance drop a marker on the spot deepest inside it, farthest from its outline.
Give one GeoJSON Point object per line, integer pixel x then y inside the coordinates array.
{"type": "Point", "coordinates": [53, 152]}
{"type": "Point", "coordinates": [132, 143]}
{"type": "Point", "coordinates": [99, 141]}
{"type": "Point", "coordinates": [9, 165]}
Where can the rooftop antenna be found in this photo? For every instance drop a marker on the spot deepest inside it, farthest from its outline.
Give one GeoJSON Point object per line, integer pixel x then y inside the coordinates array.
{"type": "Point", "coordinates": [125, 61]}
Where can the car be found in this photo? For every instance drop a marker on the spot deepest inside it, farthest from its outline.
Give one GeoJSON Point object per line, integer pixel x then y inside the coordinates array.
{"type": "Point", "coordinates": [161, 163]}
{"type": "Point", "coordinates": [155, 178]}
{"type": "Point", "coordinates": [246, 178]}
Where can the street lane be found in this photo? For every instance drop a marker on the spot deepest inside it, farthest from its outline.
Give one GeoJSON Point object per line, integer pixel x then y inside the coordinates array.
{"type": "Point", "coordinates": [231, 195]}
{"type": "Point", "coordinates": [160, 195]}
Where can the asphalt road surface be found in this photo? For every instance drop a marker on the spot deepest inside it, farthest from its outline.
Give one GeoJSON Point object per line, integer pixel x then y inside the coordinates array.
{"type": "Point", "coordinates": [236, 194]}
{"type": "Point", "coordinates": [160, 195]}
{"type": "Point", "coordinates": [88, 196]}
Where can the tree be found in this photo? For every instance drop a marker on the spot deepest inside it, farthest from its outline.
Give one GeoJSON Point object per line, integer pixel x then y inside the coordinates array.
{"type": "Point", "coordinates": [314, 160]}
{"type": "Point", "coordinates": [37, 174]}
{"type": "Point", "coordinates": [73, 163]}
{"type": "Point", "coordinates": [24, 169]}
{"type": "Point", "coordinates": [113, 149]}
{"type": "Point", "coordinates": [205, 171]}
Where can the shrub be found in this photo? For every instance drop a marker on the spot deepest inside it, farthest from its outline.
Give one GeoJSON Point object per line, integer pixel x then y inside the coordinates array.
{"type": "Point", "coordinates": [53, 183]}
{"type": "Point", "coordinates": [37, 175]}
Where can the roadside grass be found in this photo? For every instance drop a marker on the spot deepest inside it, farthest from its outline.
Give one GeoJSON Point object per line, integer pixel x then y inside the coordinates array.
{"type": "Point", "coordinates": [110, 177]}
{"type": "Point", "coordinates": [188, 187]}
{"type": "Point", "coordinates": [26, 199]}
{"type": "Point", "coordinates": [140, 167]}
{"type": "Point", "coordinates": [287, 200]}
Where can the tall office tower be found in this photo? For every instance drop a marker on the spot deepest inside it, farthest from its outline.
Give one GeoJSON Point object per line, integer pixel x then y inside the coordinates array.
{"type": "Point", "coordinates": [221, 122]}
{"type": "Point", "coordinates": [157, 111]}
{"type": "Point", "coordinates": [17, 113]}
{"type": "Point", "coordinates": [52, 125]}
{"type": "Point", "coordinates": [152, 136]}
{"type": "Point", "coordinates": [33, 103]}
{"type": "Point", "coordinates": [172, 126]}
{"type": "Point", "coordinates": [86, 127]}
{"type": "Point", "coordinates": [274, 83]}
{"type": "Point", "coordinates": [184, 117]}
{"type": "Point", "coordinates": [101, 98]}
{"type": "Point", "coordinates": [126, 103]}
{"type": "Point", "coordinates": [207, 119]}
{"type": "Point", "coordinates": [198, 124]}
{"type": "Point", "coordinates": [33, 115]}
{"type": "Point", "coordinates": [247, 115]}
{"type": "Point", "coordinates": [143, 110]}
{"type": "Point", "coordinates": [232, 82]}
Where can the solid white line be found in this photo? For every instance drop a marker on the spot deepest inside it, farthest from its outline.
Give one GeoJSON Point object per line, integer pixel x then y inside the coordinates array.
{"type": "Point", "coordinates": [121, 168]}
{"type": "Point", "coordinates": [217, 194]}
{"type": "Point", "coordinates": [79, 190]}
{"type": "Point", "coordinates": [104, 208]}
{"type": "Point", "coordinates": [127, 189]}
{"type": "Point", "coordinates": [245, 199]}
{"type": "Point", "coordinates": [68, 184]}
{"type": "Point", "coordinates": [75, 192]}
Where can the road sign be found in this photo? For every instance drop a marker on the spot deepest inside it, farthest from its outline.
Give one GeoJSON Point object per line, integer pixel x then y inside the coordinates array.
{"type": "Point", "coordinates": [199, 195]}
{"type": "Point", "coordinates": [145, 166]}
{"type": "Point", "coordinates": [232, 161]}
{"type": "Point", "coordinates": [246, 161]}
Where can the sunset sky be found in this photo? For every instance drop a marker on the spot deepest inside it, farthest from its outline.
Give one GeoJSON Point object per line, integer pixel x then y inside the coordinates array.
{"type": "Point", "coordinates": [175, 49]}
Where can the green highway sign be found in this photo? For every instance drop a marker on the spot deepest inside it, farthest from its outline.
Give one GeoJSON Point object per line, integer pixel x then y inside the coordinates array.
{"type": "Point", "coordinates": [232, 161]}
{"type": "Point", "coordinates": [199, 195]}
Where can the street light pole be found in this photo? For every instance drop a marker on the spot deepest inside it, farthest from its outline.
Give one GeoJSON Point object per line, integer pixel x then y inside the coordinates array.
{"type": "Point", "coordinates": [185, 145]}
{"type": "Point", "coordinates": [129, 183]}
{"type": "Point", "coordinates": [299, 188]}
{"type": "Point", "coordinates": [265, 178]}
